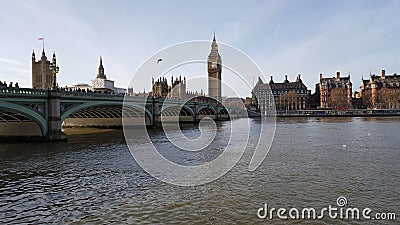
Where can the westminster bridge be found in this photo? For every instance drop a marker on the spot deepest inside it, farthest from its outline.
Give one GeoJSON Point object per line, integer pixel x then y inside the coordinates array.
{"type": "Point", "coordinates": [26, 112]}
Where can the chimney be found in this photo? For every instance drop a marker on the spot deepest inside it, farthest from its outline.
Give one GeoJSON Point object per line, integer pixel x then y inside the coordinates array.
{"type": "Point", "coordinates": [338, 75]}
{"type": "Point", "coordinates": [298, 79]}
{"type": "Point", "coordinates": [383, 73]}
{"type": "Point", "coordinates": [286, 80]}
{"type": "Point", "coordinates": [270, 82]}
{"type": "Point", "coordinates": [320, 76]}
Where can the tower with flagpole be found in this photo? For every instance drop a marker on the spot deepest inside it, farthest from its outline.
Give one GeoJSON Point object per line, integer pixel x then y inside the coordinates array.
{"type": "Point", "coordinates": [43, 76]}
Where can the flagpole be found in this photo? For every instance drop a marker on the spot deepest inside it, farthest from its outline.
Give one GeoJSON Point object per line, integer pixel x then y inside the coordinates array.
{"type": "Point", "coordinates": [42, 39]}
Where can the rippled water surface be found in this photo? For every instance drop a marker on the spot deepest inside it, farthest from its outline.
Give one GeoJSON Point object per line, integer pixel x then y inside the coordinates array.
{"type": "Point", "coordinates": [93, 178]}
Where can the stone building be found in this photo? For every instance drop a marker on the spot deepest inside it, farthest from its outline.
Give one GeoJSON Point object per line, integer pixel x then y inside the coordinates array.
{"type": "Point", "coordinates": [177, 89]}
{"type": "Point", "coordinates": [381, 91]}
{"type": "Point", "coordinates": [334, 92]}
{"type": "Point", "coordinates": [101, 84]}
{"type": "Point", "coordinates": [281, 96]}
{"type": "Point", "coordinates": [42, 77]}
{"type": "Point", "coordinates": [160, 88]}
{"type": "Point", "coordinates": [214, 65]}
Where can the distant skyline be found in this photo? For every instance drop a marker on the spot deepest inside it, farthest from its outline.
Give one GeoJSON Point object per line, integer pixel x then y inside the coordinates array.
{"type": "Point", "coordinates": [305, 37]}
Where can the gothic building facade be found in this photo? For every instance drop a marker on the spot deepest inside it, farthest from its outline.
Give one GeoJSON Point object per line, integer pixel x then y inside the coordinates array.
{"type": "Point", "coordinates": [177, 89]}
{"type": "Point", "coordinates": [42, 77]}
{"type": "Point", "coordinates": [214, 65]}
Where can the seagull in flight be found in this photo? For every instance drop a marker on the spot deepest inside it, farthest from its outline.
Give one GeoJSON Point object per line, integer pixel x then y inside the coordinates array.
{"type": "Point", "coordinates": [159, 60]}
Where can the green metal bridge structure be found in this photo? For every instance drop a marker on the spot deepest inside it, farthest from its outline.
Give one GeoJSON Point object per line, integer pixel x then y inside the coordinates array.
{"type": "Point", "coordinates": [42, 113]}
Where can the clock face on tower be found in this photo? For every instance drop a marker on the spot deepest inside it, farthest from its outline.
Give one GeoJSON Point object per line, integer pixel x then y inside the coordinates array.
{"type": "Point", "coordinates": [213, 65]}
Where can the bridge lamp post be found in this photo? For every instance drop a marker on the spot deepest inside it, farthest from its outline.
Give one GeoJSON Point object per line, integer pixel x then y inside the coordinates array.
{"type": "Point", "coordinates": [54, 70]}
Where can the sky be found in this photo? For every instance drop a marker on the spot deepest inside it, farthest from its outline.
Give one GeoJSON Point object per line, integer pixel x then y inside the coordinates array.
{"type": "Point", "coordinates": [304, 37]}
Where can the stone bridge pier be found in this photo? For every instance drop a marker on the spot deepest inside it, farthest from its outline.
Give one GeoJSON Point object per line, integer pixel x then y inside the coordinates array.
{"type": "Point", "coordinates": [54, 121]}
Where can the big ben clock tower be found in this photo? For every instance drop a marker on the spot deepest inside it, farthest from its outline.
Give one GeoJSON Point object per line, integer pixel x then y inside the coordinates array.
{"type": "Point", "coordinates": [214, 64]}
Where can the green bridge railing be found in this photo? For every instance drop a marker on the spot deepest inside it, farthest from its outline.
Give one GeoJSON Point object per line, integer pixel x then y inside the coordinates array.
{"type": "Point", "coordinates": [10, 91]}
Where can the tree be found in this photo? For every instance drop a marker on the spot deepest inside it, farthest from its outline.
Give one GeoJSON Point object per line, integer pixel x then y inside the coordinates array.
{"type": "Point", "coordinates": [388, 97]}
{"type": "Point", "coordinates": [367, 99]}
{"type": "Point", "coordinates": [338, 98]}
{"type": "Point", "coordinates": [288, 101]}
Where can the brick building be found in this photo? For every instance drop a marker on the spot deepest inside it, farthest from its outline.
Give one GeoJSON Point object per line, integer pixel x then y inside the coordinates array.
{"type": "Point", "coordinates": [381, 91]}
{"type": "Point", "coordinates": [334, 92]}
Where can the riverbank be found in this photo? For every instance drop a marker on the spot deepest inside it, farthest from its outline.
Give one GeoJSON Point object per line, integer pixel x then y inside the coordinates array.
{"type": "Point", "coordinates": [340, 113]}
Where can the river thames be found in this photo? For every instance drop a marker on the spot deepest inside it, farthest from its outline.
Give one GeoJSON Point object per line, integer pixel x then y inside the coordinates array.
{"type": "Point", "coordinates": [93, 179]}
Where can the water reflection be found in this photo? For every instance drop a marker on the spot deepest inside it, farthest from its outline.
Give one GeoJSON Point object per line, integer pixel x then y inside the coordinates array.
{"type": "Point", "coordinates": [93, 178]}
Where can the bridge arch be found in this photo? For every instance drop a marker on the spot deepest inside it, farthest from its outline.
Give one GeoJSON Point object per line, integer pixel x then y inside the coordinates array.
{"type": "Point", "coordinates": [222, 111]}
{"type": "Point", "coordinates": [26, 112]}
{"type": "Point", "coordinates": [185, 113]}
{"type": "Point", "coordinates": [106, 110]}
{"type": "Point", "coordinates": [206, 110]}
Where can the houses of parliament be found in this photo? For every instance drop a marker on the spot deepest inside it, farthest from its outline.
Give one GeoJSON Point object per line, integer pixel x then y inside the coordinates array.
{"type": "Point", "coordinates": [42, 77]}
{"type": "Point", "coordinates": [178, 90]}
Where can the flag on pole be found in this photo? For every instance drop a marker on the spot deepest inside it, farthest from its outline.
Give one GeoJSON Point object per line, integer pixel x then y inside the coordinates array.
{"type": "Point", "coordinates": [42, 39]}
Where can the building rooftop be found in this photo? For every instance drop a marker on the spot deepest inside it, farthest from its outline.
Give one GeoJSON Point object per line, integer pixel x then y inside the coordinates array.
{"type": "Point", "coordinates": [286, 84]}
{"type": "Point", "coordinates": [382, 80]}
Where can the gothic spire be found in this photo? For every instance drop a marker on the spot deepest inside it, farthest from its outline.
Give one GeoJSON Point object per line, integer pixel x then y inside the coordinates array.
{"type": "Point", "coordinates": [101, 70]}
{"type": "Point", "coordinates": [33, 55]}
{"type": "Point", "coordinates": [43, 54]}
{"type": "Point", "coordinates": [214, 45]}
{"type": "Point", "coordinates": [214, 55]}
{"type": "Point", "coordinates": [54, 57]}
